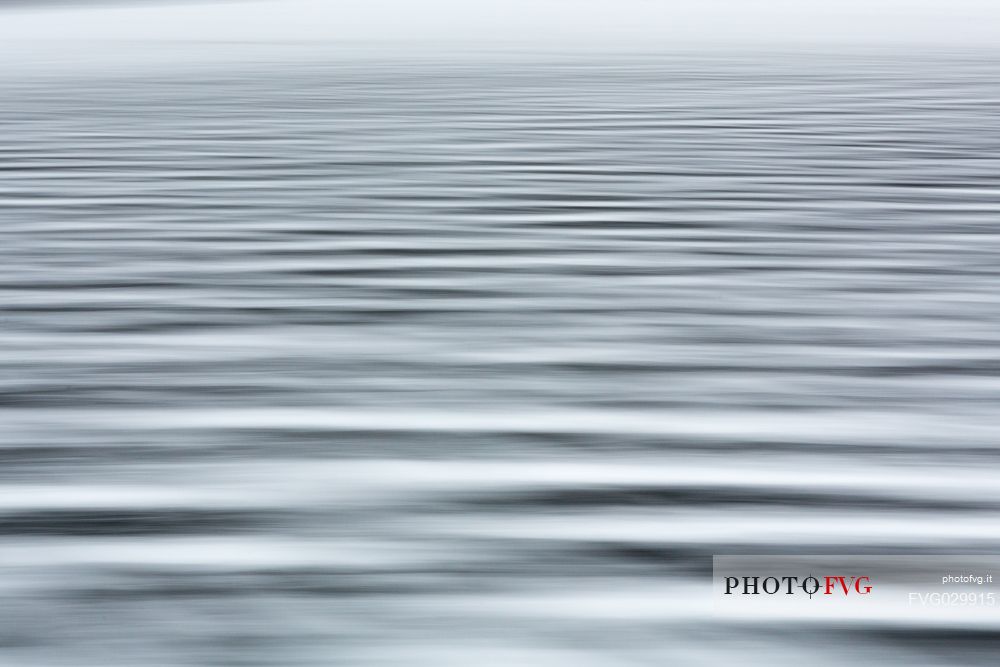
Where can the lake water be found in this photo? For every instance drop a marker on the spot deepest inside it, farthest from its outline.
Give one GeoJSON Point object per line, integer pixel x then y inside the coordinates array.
{"type": "Point", "coordinates": [362, 359]}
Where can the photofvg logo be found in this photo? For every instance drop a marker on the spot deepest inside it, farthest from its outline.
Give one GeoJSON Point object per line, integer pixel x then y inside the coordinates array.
{"type": "Point", "coordinates": [791, 585]}
{"type": "Point", "coordinates": [887, 588]}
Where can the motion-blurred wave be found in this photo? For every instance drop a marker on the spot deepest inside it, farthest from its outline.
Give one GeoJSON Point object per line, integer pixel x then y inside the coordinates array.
{"type": "Point", "coordinates": [443, 362]}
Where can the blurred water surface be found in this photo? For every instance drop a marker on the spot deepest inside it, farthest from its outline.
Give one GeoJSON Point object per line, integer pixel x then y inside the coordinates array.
{"type": "Point", "coordinates": [358, 360]}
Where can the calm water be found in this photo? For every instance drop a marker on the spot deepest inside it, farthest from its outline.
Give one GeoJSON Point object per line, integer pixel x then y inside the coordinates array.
{"type": "Point", "coordinates": [357, 360]}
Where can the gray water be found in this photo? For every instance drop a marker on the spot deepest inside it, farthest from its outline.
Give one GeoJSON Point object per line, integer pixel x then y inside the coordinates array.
{"type": "Point", "coordinates": [477, 360]}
